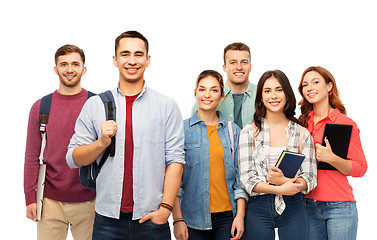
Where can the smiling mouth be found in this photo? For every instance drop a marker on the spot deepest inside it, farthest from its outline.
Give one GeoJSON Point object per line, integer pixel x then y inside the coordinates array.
{"type": "Point", "coordinates": [311, 94]}
{"type": "Point", "coordinates": [238, 74]}
{"type": "Point", "coordinates": [132, 70]}
{"type": "Point", "coordinates": [207, 101]}
{"type": "Point", "coordinates": [274, 103]}
{"type": "Point", "coordinates": [70, 77]}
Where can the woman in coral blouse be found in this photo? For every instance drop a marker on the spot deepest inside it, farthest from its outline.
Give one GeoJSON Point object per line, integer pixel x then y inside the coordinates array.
{"type": "Point", "coordinates": [331, 206]}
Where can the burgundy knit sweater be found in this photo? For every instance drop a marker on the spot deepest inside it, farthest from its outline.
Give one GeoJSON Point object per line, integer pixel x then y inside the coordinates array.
{"type": "Point", "coordinates": [62, 183]}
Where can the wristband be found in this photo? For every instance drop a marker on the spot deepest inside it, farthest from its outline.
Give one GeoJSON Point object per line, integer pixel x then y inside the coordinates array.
{"type": "Point", "coordinates": [178, 220]}
{"type": "Point", "coordinates": [167, 206]}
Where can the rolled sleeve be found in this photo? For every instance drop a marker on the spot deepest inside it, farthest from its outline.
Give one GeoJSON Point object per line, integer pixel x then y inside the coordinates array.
{"type": "Point", "coordinates": [356, 154]}
{"type": "Point", "coordinates": [248, 174]}
{"type": "Point", "coordinates": [174, 140]}
{"type": "Point", "coordinates": [309, 165]}
{"type": "Point", "coordinates": [85, 132]}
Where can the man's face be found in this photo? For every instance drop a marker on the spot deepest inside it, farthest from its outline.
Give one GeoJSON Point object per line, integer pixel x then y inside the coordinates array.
{"type": "Point", "coordinates": [131, 59]}
{"type": "Point", "coordinates": [70, 68]}
{"type": "Point", "coordinates": [237, 66]}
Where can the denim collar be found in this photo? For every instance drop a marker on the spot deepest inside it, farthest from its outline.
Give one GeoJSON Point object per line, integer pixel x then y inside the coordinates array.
{"type": "Point", "coordinates": [195, 119]}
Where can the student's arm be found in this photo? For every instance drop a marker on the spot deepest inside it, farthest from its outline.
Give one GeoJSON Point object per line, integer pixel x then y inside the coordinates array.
{"type": "Point", "coordinates": [180, 228]}
{"type": "Point", "coordinates": [307, 175]}
{"type": "Point", "coordinates": [325, 154]}
{"type": "Point", "coordinates": [238, 224]}
{"type": "Point", "coordinates": [174, 158]}
{"type": "Point", "coordinates": [31, 165]}
{"type": "Point", "coordinates": [86, 154]}
{"type": "Point", "coordinates": [291, 187]}
{"type": "Point", "coordinates": [172, 182]}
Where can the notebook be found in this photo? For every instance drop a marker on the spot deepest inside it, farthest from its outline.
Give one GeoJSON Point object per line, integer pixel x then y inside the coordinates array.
{"type": "Point", "coordinates": [339, 136]}
{"type": "Point", "coordinates": [289, 163]}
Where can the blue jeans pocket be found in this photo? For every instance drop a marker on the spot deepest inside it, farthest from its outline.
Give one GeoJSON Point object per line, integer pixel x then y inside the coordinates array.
{"type": "Point", "coordinates": [149, 222]}
{"type": "Point", "coordinates": [102, 219]}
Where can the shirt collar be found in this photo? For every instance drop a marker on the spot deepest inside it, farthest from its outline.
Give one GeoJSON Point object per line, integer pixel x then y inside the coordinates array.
{"type": "Point", "coordinates": [141, 93]}
{"type": "Point", "coordinates": [195, 119]}
{"type": "Point", "coordinates": [249, 90]}
{"type": "Point", "coordinates": [332, 116]}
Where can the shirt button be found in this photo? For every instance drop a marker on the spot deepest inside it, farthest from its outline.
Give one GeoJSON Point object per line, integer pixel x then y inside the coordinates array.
{"type": "Point", "coordinates": [121, 157]}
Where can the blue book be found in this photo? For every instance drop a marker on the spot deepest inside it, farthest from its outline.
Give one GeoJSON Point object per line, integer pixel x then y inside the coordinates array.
{"type": "Point", "coordinates": [289, 163]}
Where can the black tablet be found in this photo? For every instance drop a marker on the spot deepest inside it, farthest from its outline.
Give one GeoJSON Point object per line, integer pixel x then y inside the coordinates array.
{"type": "Point", "coordinates": [339, 136]}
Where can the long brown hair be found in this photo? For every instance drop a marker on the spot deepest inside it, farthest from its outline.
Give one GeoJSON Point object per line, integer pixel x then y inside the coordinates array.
{"type": "Point", "coordinates": [290, 105]}
{"type": "Point", "coordinates": [334, 99]}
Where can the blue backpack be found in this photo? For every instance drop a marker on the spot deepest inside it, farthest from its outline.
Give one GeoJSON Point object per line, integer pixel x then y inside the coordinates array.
{"type": "Point", "coordinates": [88, 174]}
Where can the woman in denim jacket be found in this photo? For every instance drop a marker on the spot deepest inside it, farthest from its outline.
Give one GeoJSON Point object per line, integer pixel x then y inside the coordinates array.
{"type": "Point", "coordinates": [211, 202]}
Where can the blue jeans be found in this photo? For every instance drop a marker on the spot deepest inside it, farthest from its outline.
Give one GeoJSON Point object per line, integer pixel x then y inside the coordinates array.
{"type": "Point", "coordinates": [125, 228]}
{"type": "Point", "coordinates": [332, 220]}
{"type": "Point", "coordinates": [262, 219]}
{"type": "Point", "coordinates": [221, 227]}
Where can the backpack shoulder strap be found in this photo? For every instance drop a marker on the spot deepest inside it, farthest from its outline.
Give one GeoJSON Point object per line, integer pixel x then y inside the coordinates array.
{"type": "Point", "coordinates": [44, 111]}
{"type": "Point", "coordinates": [91, 94]}
{"type": "Point", "coordinates": [109, 104]}
{"type": "Point", "coordinates": [231, 138]}
{"type": "Point", "coordinates": [301, 139]}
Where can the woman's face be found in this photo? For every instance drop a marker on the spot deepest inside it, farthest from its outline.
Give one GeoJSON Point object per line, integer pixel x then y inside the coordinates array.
{"type": "Point", "coordinates": [273, 96]}
{"type": "Point", "coordinates": [314, 88]}
{"type": "Point", "coordinates": [208, 93]}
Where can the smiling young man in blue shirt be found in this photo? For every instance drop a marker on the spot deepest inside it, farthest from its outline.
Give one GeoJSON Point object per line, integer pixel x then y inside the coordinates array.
{"type": "Point", "coordinates": [137, 186]}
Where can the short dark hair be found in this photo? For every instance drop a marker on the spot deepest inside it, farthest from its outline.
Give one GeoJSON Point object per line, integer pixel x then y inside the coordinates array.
{"type": "Point", "coordinates": [69, 48]}
{"type": "Point", "coordinates": [290, 105]}
{"type": "Point", "coordinates": [237, 46]}
{"type": "Point", "coordinates": [211, 73]}
{"type": "Point", "coordinates": [131, 34]}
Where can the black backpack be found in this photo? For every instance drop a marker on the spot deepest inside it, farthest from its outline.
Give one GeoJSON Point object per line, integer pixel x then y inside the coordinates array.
{"type": "Point", "coordinates": [88, 174]}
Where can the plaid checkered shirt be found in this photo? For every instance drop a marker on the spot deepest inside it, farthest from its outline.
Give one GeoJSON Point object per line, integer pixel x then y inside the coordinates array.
{"type": "Point", "coordinates": [254, 155]}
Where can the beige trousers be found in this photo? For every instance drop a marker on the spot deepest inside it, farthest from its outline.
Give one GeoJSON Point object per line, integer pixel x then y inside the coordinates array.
{"type": "Point", "coordinates": [58, 216]}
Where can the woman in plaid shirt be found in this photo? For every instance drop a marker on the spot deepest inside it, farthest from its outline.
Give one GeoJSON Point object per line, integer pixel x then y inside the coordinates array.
{"type": "Point", "coordinates": [275, 200]}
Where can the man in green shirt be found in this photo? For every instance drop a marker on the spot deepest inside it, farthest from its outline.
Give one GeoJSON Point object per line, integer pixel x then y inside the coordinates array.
{"type": "Point", "coordinates": [239, 96]}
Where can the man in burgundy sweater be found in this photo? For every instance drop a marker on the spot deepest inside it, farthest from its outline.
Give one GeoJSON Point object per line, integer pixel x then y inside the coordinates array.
{"type": "Point", "coordinates": [66, 202]}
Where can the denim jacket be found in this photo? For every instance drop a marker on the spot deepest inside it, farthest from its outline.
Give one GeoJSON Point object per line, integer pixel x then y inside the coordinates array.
{"type": "Point", "coordinates": [195, 185]}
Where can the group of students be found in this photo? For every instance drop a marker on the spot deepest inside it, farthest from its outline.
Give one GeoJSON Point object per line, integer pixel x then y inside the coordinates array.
{"type": "Point", "coordinates": [215, 171]}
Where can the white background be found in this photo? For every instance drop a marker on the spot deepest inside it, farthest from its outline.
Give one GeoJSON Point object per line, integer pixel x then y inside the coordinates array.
{"type": "Point", "coordinates": [185, 38]}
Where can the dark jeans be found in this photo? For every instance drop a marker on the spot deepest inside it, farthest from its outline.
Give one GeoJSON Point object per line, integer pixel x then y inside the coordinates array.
{"type": "Point", "coordinates": [125, 228]}
{"type": "Point", "coordinates": [221, 226]}
{"type": "Point", "coordinates": [262, 219]}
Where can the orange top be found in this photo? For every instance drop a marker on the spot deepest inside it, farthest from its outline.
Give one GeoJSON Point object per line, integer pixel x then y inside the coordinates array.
{"type": "Point", "coordinates": [219, 197]}
{"type": "Point", "coordinates": [333, 186]}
